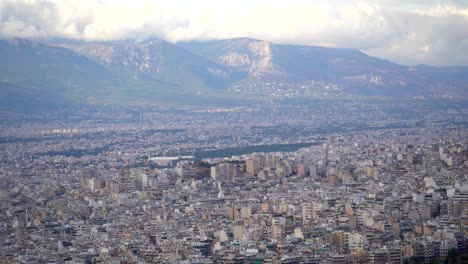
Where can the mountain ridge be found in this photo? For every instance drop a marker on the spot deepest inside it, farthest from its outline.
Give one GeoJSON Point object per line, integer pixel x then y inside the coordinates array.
{"type": "Point", "coordinates": [148, 72]}
{"type": "Point", "coordinates": [353, 70]}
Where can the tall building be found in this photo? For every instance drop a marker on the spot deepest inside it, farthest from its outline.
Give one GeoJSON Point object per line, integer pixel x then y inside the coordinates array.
{"type": "Point", "coordinates": [86, 175]}
{"type": "Point", "coordinates": [308, 214]}
{"type": "Point", "coordinates": [313, 171]}
{"type": "Point", "coordinates": [246, 212]}
{"type": "Point", "coordinates": [214, 173]}
{"type": "Point", "coordinates": [395, 254]}
{"type": "Point", "coordinates": [253, 166]}
{"type": "Point", "coordinates": [233, 213]}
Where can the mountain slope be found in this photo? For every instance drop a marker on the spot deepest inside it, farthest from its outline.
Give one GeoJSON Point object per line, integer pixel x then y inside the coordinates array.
{"type": "Point", "coordinates": [206, 72]}
{"type": "Point", "coordinates": [50, 70]}
{"type": "Point", "coordinates": [23, 99]}
{"type": "Point", "coordinates": [264, 59]}
{"type": "Point", "coordinates": [352, 70]}
{"type": "Point", "coordinates": [158, 61]}
{"type": "Point", "coordinates": [115, 73]}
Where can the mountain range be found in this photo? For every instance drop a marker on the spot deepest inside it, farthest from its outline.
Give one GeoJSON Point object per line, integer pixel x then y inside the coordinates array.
{"type": "Point", "coordinates": [156, 71]}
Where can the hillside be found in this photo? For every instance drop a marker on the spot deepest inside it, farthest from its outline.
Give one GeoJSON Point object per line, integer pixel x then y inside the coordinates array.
{"type": "Point", "coordinates": [209, 72]}
{"type": "Point", "coordinates": [352, 70]}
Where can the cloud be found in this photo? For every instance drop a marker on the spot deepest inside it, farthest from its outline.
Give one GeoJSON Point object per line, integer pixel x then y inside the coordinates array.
{"type": "Point", "coordinates": [418, 32]}
{"type": "Point", "coordinates": [436, 36]}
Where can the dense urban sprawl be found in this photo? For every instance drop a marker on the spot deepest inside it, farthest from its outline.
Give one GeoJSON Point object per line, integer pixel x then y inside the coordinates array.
{"type": "Point", "coordinates": [375, 183]}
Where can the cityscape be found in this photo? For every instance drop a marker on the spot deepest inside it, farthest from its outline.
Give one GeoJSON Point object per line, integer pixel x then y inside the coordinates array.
{"type": "Point", "coordinates": [284, 182]}
{"type": "Point", "coordinates": [233, 132]}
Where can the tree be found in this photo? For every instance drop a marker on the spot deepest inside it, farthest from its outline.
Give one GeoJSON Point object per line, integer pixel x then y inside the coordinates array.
{"type": "Point", "coordinates": [452, 256]}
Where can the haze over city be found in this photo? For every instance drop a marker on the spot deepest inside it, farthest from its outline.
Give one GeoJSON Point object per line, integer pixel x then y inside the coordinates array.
{"type": "Point", "coordinates": [318, 132]}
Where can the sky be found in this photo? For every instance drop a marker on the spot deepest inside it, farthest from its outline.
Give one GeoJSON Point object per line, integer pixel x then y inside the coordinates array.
{"type": "Point", "coordinates": [409, 32]}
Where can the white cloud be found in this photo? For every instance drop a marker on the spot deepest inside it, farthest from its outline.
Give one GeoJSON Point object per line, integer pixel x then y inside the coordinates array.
{"type": "Point", "coordinates": [400, 34]}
